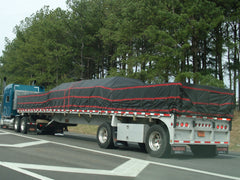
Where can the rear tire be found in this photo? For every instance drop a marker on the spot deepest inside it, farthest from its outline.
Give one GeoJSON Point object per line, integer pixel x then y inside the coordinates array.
{"type": "Point", "coordinates": [157, 141]}
{"type": "Point", "coordinates": [17, 124]}
{"type": "Point", "coordinates": [24, 125]}
{"type": "Point", "coordinates": [105, 136]}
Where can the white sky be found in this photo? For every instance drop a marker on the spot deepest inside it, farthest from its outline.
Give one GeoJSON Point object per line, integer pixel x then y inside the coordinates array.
{"type": "Point", "coordinates": [14, 11]}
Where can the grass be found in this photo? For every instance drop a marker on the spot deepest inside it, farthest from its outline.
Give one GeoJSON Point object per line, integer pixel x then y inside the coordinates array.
{"type": "Point", "coordinates": [235, 133]}
{"type": "Point", "coordinates": [234, 141]}
{"type": "Point", "coordinates": [83, 129]}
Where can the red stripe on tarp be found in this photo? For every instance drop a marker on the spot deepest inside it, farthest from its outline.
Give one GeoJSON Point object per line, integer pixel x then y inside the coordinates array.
{"type": "Point", "coordinates": [132, 87]}
{"type": "Point", "coordinates": [208, 90]}
{"type": "Point", "coordinates": [212, 104]}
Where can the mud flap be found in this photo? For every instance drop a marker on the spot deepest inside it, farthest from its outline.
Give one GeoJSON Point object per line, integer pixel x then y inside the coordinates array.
{"type": "Point", "coordinates": [178, 149]}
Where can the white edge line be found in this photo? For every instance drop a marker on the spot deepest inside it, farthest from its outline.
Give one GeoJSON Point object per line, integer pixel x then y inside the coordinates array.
{"type": "Point", "coordinates": [196, 171]}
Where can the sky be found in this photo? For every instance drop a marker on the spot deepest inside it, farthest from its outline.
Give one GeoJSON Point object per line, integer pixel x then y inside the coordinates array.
{"type": "Point", "coordinates": [12, 12]}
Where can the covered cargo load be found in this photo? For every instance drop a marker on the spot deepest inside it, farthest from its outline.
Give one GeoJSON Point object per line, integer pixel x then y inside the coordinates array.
{"type": "Point", "coordinates": [125, 94]}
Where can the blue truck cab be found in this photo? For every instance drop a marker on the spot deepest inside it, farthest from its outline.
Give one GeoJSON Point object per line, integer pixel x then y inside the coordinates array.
{"type": "Point", "coordinates": [9, 101]}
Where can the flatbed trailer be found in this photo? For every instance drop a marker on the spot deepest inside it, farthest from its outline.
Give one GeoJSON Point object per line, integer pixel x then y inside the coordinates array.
{"type": "Point", "coordinates": [162, 119]}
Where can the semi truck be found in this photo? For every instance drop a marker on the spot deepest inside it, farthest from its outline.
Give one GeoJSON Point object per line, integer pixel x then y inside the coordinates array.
{"type": "Point", "coordinates": [162, 118]}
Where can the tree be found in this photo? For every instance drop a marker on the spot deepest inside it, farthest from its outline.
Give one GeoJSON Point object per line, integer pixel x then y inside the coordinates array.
{"type": "Point", "coordinates": [155, 41]}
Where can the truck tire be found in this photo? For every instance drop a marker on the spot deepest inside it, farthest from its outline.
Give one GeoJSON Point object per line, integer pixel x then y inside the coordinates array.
{"type": "Point", "coordinates": [105, 136]}
{"type": "Point", "coordinates": [17, 124]}
{"type": "Point", "coordinates": [204, 150]}
{"type": "Point", "coordinates": [23, 128]}
{"type": "Point", "coordinates": [157, 141]}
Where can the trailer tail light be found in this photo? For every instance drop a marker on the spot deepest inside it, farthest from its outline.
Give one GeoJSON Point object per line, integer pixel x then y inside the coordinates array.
{"type": "Point", "coordinates": [222, 127]}
{"type": "Point", "coordinates": [183, 124]}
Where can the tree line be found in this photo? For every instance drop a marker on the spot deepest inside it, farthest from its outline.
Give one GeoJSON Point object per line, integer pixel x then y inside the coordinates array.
{"type": "Point", "coordinates": [194, 41]}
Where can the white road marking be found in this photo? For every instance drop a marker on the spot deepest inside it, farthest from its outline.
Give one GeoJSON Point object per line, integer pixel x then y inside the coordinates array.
{"type": "Point", "coordinates": [116, 170]}
{"type": "Point", "coordinates": [22, 145]}
{"type": "Point", "coordinates": [131, 168]}
{"type": "Point", "coordinates": [4, 133]}
{"type": "Point", "coordinates": [196, 171]}
{"type": "Point", "coordinates": [23, 171]}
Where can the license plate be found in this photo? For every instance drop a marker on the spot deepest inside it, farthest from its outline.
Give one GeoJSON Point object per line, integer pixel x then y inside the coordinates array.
{"type": "Point", "coordinates": [222, 150]}
{"type": "Point", "coordinates": [201, 134]}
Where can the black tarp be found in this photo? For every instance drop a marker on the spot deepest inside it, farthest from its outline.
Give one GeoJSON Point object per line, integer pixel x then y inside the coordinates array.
{"type": "Point", "coordinates": [125, 94]}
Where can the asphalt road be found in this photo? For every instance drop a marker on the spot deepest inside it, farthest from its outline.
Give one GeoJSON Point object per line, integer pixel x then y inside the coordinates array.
{"type": "Point", "coordinates": [71, 156]}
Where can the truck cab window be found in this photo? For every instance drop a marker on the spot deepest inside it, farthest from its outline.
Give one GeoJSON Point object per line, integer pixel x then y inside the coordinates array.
{"type": "Point", "coordinates": [7, 99]}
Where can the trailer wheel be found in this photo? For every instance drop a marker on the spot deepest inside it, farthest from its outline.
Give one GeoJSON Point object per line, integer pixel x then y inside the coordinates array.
{"type": "Point", "coordinates": [24, 125]}
{"type": "Point", "coordinates": [17, 124]}
{"type": "Point", "coordinates": [105, 136]}
{"type": "Point", "coordinates": [157, 142]}
{"type": "Point", "coordinates": [204, 150]}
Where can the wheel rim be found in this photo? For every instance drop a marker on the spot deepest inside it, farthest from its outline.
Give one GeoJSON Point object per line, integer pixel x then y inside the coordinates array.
{"type": "Point", "coordinates": [155, 141]}
{"type": "Point", "coordinates": [103, 135]}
